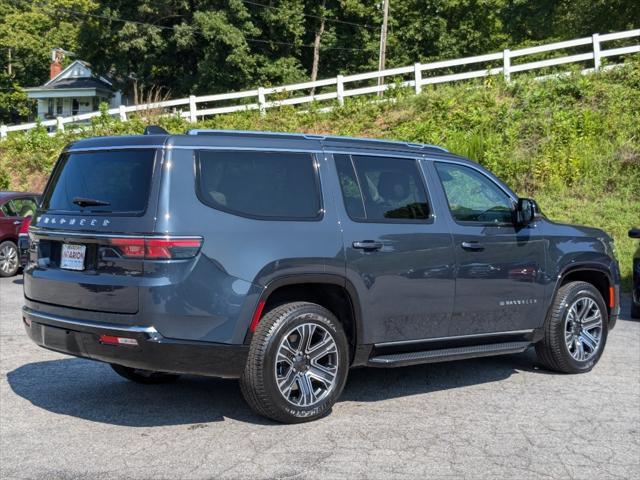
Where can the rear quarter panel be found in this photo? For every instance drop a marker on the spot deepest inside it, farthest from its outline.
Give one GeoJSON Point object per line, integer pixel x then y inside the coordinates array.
{"type": "Point", "coordinates": [213, 298]}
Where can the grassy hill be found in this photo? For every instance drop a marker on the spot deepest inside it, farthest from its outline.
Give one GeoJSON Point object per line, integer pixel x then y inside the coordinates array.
{"type": "Point", "coordinates": [572, 143]}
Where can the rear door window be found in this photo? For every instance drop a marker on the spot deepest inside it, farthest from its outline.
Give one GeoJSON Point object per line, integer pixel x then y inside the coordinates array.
{"type": "Point", "coordinates": [382, 189]}
{"type": "Point", "coordinates": [24, 207]}
{"type": "Point", "coordinates": [263, 185]}
{"type": "Point", "coordinates": [114, 182]}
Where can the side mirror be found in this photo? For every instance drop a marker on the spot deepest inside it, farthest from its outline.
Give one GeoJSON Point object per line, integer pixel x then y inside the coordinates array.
{"type": "Point", "coordinates": [634, 232]}
{"type": "Point", "coordinates": [526, 211]}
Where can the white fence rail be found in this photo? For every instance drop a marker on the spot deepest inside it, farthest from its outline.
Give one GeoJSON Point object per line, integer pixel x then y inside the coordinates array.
{"type": "Point", "coordinates": [418, 76]}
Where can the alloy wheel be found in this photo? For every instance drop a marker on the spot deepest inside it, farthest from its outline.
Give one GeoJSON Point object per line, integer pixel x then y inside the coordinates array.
{"type": "Point", "coordinates": [306, 366]}
{"type": "Point", "coordinates": [8, 259]}
{"type": "Point", "coordinates": [583, 328]}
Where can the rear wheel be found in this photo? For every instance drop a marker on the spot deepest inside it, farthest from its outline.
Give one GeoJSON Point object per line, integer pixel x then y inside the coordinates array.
{"type": "Point", "coordinates": [297, 364]}
{"type": "Point", "coordinates": [575, 332]}
{"type": "Point", "coordinates": [9, 259]}
{"type": "Point", "coordinates": [144, 376]}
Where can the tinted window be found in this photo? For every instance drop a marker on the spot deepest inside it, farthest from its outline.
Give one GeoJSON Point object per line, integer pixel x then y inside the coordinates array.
{"type": "Point", "coordinates": [389, 189]}
{"type": "Point", "coordinates": [121, 178]}
{"type": "Point", "coordinates": [260, 184]}
{"type": "Point", "coordinates": [472, 196]}
{"type": "Point", "coordinates": [350, 190]}
{"type": "Point", "coordinates": [8, 209]}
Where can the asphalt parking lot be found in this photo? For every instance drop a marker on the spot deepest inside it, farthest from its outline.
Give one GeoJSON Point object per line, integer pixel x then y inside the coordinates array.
{"type": "Point", "coordinates": [502, 417]}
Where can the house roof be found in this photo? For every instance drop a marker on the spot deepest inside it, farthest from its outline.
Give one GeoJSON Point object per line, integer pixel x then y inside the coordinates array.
{"type": "Point", "coordinates": [77, 76]}
{"type": "Point", "coordinates": [82, 82]}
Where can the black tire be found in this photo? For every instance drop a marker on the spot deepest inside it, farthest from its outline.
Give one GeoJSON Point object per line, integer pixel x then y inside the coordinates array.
{"type": "Point", "coordinates": [259, 383]}
{"type": "Point", "coordinates": [9, 254]}
{"type": "Point", "coordinates": [144, 376]}
{"type": "Point", "coordinates": [552, 350]}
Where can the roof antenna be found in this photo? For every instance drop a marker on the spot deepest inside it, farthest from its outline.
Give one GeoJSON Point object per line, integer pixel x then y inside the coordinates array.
{"type": "Point", "coordinates": [155, 130]}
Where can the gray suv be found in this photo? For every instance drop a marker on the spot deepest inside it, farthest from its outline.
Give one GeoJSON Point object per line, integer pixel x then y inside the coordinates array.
{"type": "Point", "coordinates": [284, 260]}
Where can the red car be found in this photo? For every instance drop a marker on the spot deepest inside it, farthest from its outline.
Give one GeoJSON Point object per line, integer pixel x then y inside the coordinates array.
{"type": "Point", "coordinates": [14, 208]}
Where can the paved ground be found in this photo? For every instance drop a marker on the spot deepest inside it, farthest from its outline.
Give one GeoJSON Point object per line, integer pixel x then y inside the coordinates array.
{"type": "Point", "coordinates": [63, 418]}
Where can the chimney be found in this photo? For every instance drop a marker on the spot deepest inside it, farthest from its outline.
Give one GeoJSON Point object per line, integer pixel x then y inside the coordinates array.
{"type": "Point", "coordinates": [56, 62]}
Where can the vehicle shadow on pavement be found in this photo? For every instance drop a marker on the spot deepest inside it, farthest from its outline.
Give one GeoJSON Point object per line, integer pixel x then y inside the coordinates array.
{"type": "Point", "coordinates": [92, 391]}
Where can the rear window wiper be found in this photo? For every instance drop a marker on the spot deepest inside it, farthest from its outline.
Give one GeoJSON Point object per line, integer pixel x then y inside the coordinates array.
{"type": "Point", "coordinates": [90, 202]}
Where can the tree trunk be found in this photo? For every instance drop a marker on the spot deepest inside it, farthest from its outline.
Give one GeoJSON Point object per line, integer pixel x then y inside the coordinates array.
{"type": "Point", "coordinates": [316, 47]}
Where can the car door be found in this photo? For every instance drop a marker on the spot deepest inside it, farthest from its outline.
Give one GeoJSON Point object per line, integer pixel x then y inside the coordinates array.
{"type": "Point", "coordinates": [9, 221]}
{"type": "Point", "coordinates": [399, 255]}
{"type": "Point", "coordinates": [499, 266]}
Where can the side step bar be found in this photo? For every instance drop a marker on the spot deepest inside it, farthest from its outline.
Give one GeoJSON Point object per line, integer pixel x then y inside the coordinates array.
{"type": "Point", "coordinates": [447, 354]}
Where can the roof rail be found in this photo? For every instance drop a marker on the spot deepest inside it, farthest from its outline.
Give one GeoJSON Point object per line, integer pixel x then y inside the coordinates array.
{"type": "Point", "coordinates": [310, 136]}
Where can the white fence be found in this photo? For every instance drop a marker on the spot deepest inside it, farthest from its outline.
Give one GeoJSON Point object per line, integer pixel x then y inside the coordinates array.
{"type": "Point", "coordinates": [419, 74]}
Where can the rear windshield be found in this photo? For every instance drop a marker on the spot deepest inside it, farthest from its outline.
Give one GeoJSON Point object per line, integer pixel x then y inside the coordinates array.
{"type": "Point", "coordinates": [101, 182]}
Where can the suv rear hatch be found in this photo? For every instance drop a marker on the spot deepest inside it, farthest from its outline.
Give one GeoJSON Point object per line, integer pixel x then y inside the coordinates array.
{"type": "Point", "coordinates": [88, 240]}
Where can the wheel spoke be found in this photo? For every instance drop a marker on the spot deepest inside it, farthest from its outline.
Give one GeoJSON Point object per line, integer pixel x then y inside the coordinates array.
{"type": "Point", "coordinates": [307, 394]}
{"type": "Point", "coordinates": [579, 348]}
{"type": "Point", "coordinates": [323, 374]}
{"type": "Point", "coordinates": [327, 347]}
{"type": "Point", "coordinates": [592, 321]}
{"type": "Point", "coordinates": [589, 340]}
{"type": "Point", "coordinates": [287, 349]}
{"type": "Point", "coordinates": [286, 383]}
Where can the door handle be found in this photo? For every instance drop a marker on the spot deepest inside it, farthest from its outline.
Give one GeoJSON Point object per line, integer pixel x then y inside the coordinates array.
{"type": "Point", "coordinates": [367, 245]}
{"type": "Point", "coordinates": [472, 246]}
{"type": "Point", "coordinates": [17, 222]}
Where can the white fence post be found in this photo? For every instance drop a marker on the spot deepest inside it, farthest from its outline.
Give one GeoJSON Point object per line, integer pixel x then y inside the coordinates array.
{"type": "Point", "coordinates": [506, 64]}
{"type": "Point", "coordinates": [262, 100]}
{"type": "Point", "coordinates": [192, 109]}
{"type": "Point", "coordinates": [123, 113]}
{"type": "Point", "coordinates": [595, 38]}
{"type": "Point", "coordinates": [3, 131]}
{"type": "Point", "coordinates": [59, 124]}
{"type": "Point", "coordinates": [417, 73]}
{"type": "Point", "coordinates": [340, 89]}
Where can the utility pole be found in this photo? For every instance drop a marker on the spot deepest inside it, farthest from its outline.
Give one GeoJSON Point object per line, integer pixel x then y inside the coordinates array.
{"type": "Point", "coordinates": [383, 40]}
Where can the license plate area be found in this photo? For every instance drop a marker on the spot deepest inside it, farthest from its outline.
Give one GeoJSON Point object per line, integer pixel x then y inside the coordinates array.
{"type": "Point", "coordinates": [72, 257]}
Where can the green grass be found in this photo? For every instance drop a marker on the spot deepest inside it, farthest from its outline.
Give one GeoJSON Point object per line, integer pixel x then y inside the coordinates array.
{"type": "Point", "coordinates": [572, 143]}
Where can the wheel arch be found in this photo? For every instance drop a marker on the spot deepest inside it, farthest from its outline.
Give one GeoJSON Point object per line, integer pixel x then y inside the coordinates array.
{"type": "Point", "coordinates": [595, 274]}
{"type": "Point", "coordinates": [333, 292]}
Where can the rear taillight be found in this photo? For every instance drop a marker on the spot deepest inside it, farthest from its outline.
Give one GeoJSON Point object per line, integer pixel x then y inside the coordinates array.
{"type": "Point", "coordinates": [24, 227]}
{"type": "Point", "coordinates": [157, 248]}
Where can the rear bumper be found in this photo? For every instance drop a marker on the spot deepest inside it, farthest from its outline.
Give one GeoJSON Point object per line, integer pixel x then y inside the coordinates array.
{"type": "Point", "coordinates": [153, 352]}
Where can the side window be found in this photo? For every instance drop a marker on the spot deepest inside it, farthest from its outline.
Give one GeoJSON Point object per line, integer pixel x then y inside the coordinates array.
{"type": "Point", "coordinates": [24, 207]}
{"type": "Point", "coordinates": [8, 210]}
{"type": "Point", "coordinates": [473, 197]}
{"type": "Point", "coordinates": [382, 189]}
{"type": "Point", "coordinates": [266, 185]}
{"type": "Point", "coordinates": [350, 190]}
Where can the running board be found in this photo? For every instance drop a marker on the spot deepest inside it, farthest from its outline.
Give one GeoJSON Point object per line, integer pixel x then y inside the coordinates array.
{"type": "Point", "coordinates": [447, 354]}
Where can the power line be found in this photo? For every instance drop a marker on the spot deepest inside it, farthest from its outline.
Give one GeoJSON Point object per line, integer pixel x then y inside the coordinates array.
{"type": "Point", "coordinates": [326, 19]}
{"type": "Point", "coordinates": [164, 27]}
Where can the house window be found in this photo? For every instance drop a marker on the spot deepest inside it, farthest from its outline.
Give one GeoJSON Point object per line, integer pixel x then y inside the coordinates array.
{"type": "Point", "coordinates": [50, 107]}
{"type": "Point", "coordinates": [58, 106]}
{"type": "Point", "coordinates": [96, 104]}
{"type": "Point", "coordinates": [75, 106]}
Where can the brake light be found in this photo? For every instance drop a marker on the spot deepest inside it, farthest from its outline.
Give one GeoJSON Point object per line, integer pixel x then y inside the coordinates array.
{"type": "Point", "coordinates": [157, 248]}
{"type": "Point", "coordinates": [24, 227]}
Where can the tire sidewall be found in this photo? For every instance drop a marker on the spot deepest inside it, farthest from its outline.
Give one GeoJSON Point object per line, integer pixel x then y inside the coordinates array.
{"type": "Point", "coordinates": [592, 293]}
{"type": "Point", "coordinates": [306, 314]}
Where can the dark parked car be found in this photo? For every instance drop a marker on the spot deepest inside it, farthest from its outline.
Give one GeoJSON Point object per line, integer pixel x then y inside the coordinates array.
{"type": "Point", "coordinates": [14, 207]}
{"type": "Point", "coordinates": [283, 260]}
{"type": "Point", "coordinates": [635, 296]}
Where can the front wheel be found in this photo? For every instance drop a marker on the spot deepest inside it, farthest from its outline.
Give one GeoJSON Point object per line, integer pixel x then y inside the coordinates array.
{"type": "Point", "coordinates": [575, 331]}
{"type": "Point", "coordinates": [297, 364]}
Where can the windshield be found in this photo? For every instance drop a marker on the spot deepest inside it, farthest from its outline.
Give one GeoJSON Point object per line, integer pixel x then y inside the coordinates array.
{"type": "Point", "coordinates": [116, 181]}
